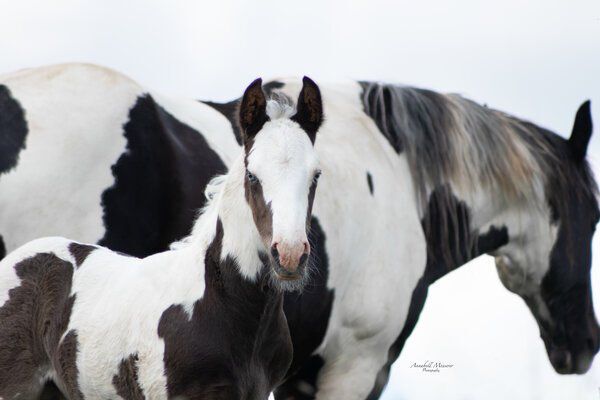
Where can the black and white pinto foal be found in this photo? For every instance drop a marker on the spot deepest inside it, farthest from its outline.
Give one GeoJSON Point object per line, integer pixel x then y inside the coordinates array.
{"type": "Point", "coordinates": [204, 321]}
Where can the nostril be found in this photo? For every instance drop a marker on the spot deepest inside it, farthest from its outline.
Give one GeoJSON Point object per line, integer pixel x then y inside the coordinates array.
{"type": "Point", "coordinates": [561, 360]}
{"type": "Point", "coordinates": [306, 247]}
{"type": "Point", "coordinates": [274, 251]}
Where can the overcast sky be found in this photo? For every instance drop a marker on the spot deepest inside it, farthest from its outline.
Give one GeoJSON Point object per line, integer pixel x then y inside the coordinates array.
{"type": "Point", "coordinates": [536, 59]}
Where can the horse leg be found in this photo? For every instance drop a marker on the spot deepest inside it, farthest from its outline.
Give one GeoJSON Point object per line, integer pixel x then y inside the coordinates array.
{"type": "Point", "coordinates": [372, 314]}
{"type": "Point", "coordinates": [350, 378]}
{"type": "Point", "coordinates": [303, 384]}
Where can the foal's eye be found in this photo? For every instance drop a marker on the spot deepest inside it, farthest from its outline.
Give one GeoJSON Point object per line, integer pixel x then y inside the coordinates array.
{"type": "Point", "coordinates": [251, 177]}
{"type": "Point", "coordinates": [316, 177]}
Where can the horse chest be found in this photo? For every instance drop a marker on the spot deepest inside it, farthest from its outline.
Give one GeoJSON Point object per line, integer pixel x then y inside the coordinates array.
{"type": "Point", "coordinates": [225, 350]}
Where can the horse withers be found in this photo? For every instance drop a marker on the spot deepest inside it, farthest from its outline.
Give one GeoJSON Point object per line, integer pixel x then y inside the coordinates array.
{"type": "Point", "coordinates": [204, 320]}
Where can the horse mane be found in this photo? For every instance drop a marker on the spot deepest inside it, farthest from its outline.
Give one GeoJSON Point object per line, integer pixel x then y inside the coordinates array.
{"type": "Point", "coordinates": [452, 141]}
{"type": "Point", "coordinates": [206, 215]}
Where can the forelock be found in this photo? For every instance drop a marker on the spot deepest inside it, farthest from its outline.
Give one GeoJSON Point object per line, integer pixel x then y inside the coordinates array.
{"type": "Point", "coordinates": [280, 106]}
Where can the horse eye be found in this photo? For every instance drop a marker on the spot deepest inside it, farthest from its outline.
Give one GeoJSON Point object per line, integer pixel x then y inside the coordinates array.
{"type": "Point", "coordinates": [316, 177]}
{"type": "Point", "coordinates": [251, 177]}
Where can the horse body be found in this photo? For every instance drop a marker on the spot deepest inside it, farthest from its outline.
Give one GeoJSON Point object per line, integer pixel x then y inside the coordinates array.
{"type": "Point", "coordinates": [121, 162]}
{"type": "Point", "coordinates": [407, 195]}
{"type": "Point", "coordinates": [104, 325]}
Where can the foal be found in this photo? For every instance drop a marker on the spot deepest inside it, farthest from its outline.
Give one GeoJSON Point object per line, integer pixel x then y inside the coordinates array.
{"type": "Point", "coordinates": [203, 321]}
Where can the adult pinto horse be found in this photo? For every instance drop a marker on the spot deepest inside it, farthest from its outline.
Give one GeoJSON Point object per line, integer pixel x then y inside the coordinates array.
{"type": "Point", "coordinates": [204, 321]}
{"type": "Point", "coordinates": [415, 183]}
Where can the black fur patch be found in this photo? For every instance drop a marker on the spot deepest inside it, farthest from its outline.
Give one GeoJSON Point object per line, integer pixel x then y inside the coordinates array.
{"type": "Point", "coordinates": [566, 288]}
{"type": "Point", "coordinates": [33, 321]}
{"type": "Point", "coordinates": [444, 254]}
{"type": "Point", "coordinates": [379, 112]}
{"type": "Point", "coordinates": [159, 182]}
{"type": "Point", "coordinates": [303, 384]}
{"type": "Point", "coordinates": [80, 252]}
{"type": "Point", "coordinates": [308, 315]}
{"type": "Point", "coordinates": [13, 130]}
{"type": "Point", "coordinates": [237, 343]}
{"type": "Point", "coordinates": [2, 248]}
{"type": "Point", "coordinates": [66, 366]}
{"type": "Point", "coordinates": [51, 392]}
{"type": "Point", "coordinates": [229, 110]}
{"type": "Point", "coordinates": [370, 182]}
{"type": "Point", "coordinates": [126, 381]}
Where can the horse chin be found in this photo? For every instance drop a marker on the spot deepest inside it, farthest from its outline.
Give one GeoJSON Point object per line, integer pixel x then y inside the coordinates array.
{"type": "Point", "coordinates": [286, 281]}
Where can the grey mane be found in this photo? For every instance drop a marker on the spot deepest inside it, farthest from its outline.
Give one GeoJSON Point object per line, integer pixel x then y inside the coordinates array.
{"type": "Point", "coordinates": [454, 142]}
{"type": "Point", "coordinates": [280, 106]}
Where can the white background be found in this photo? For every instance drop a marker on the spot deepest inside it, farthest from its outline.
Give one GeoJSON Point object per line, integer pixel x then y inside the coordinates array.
{"type": "Point", "coordinates": [537, 59]}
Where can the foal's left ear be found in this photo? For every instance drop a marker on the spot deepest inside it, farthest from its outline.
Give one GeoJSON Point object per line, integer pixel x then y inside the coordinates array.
{"type": "Point", "coordinates": [253, 110]}
{"type": "Point", "coordinates": [309, 113]}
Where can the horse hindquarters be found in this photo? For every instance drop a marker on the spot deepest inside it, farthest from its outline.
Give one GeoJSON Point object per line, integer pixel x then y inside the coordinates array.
{"type": "Point", "coordinates": [33, 320]}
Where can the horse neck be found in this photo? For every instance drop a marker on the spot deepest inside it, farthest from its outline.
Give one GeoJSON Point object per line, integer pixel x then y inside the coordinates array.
{"type": "Point", "coordinates": [234, 269]}
{"type": "Point", "coordinates": [228, 215]}
{"type": "Point", "coordinates": [460, 227]}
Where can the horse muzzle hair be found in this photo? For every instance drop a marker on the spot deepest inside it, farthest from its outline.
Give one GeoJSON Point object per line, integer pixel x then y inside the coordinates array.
{"type": "Point", "coordinates": [290, 259]}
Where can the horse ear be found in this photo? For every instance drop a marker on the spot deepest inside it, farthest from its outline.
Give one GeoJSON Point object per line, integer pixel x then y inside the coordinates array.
{"type": "Point", "coordinates": [309, 113]}
{"type": "Point", "coordinates": [582, 132]}
{"type": "Point", "coordinates": [253, 110]}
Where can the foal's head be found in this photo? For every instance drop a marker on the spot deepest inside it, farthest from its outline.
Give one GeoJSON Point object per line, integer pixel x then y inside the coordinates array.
{"type": "Point", "coordinates": [281, 177]}
{"type": "Point", "coordinates": [548, 259]}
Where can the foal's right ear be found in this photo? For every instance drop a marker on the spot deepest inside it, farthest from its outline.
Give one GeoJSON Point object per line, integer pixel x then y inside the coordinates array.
{"type": "Point", "coordinates": [253, 110]}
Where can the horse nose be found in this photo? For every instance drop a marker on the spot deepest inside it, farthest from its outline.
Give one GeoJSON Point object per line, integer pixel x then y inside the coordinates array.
{"type": "Point", "coordinates": [290, 256]}
{"type": "Point", "coordinates": [561, 360]}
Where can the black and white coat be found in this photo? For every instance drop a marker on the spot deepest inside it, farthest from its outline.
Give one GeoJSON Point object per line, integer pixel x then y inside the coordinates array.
{"type": "Point", "coordinates": [387, 180]}
{"type": "Point", "coordinates": [203, 321]}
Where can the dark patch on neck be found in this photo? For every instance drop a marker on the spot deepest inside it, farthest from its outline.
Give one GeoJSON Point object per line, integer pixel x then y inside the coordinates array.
{"type": "Point", "coordinates": [450, 244]}
{"type": "Point", "coordinates": [126, 382]}
{"type": "Point", "coordinates": [39, 309]}
{"type": "Point", "coordinates": [80, 252]}
{"type": "Point", "coordinates": [237, 342]}
{"type": "Point", "coordinates": [230, 109]}
{"type": "Point", "coordinates": [13, 130]}
{"type": "Point", "coordinates": [370, 182]}
{"type": "Point", "coordinates": [308, 317]}
{"type": "Point", "coordinates": [159, 182]}
{"type": "Point", "coordinates": [450, 240]}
